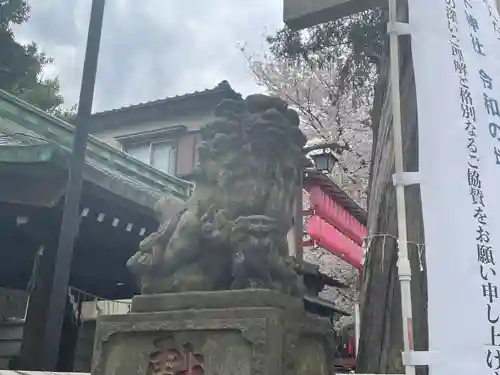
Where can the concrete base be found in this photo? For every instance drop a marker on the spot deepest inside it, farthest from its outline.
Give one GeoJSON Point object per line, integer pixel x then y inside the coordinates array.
{"type": "Point", "coordinates": [250, 332]}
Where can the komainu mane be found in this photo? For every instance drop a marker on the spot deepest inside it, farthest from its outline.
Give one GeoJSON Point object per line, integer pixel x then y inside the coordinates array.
{"type": "Point", "coordinates": [231, 234]}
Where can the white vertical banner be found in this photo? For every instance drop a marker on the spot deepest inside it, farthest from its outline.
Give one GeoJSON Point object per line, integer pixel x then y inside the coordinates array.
{"type": "Point", "coordinates": [456, 54]}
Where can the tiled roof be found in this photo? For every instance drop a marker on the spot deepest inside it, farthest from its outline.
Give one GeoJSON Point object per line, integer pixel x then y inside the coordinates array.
{"type": "Point", "coordinates": [181, 105]}
{"type": "Point", "coordinates": [17, 139]}
{"type": "Point", "coordinates": [29, 134]}
{"type": "Point", "coordinates": [222, 87]}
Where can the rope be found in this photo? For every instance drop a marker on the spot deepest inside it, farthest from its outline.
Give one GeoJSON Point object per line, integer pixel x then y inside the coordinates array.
{"type": "Point", "coordinates": [367, 242]}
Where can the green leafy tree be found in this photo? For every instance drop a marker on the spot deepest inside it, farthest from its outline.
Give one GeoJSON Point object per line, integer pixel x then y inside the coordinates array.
{"type": "Point", "coordinates": [67, 115]}
{"type": "Point", "coordinates": [21, 65]}
{"type": "Point", "coordinates": [13, 12]}
{"type": "Point", "coordinates": [357, 39]}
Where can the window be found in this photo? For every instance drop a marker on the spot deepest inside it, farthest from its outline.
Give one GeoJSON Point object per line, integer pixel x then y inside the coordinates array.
{"type": "Point", "coordinates": [161, 155]}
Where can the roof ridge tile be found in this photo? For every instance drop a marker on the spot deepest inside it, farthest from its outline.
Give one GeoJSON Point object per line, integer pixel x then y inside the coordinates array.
{"type": "Point", "coordinates": [221, 86]}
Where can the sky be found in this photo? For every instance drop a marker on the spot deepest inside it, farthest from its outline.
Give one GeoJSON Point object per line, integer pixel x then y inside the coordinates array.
{"type": "Point", "coordinates": [156, 50]}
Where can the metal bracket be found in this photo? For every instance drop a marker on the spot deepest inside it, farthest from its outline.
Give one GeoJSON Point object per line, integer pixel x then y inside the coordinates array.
{"type": "Point", "coordinates": [404, 268]}
{"type": "Point", "coordinates": [398, 28]}
{"type": "Point", "coordinates": [406, 178]}
{"type": "Point", "coordinates": [418, 358]}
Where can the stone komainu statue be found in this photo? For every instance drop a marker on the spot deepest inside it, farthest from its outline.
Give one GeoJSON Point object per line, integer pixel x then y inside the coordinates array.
{"type": "Point", "coordinates": [231, 234]}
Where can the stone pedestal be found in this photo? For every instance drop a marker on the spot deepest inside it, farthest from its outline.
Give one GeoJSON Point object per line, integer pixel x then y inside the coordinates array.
{"type": "Point", "coordinates": [248, 332]}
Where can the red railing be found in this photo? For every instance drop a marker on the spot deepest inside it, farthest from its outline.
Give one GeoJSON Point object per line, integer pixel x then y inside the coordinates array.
{"type": "Point", "coordinates": [331, 239]}
{"type": "Point", "coordinates": [336, 215]}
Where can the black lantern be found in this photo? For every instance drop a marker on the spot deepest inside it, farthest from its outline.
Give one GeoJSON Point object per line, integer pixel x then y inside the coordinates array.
{"type": "Point", "coordinates": [324, 160]}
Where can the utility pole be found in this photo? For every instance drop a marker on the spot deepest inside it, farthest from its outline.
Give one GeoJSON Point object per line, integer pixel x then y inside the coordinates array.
{"type": "Point", "coordinates": [71, 214]}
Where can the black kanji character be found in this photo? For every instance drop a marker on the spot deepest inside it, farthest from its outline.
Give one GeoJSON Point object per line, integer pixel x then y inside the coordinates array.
{"type": "Point", "coordinates": [494, 130]}
{"type": "Point", "coordinates": [483, 235]}
{"type": "Point", "coordinates": [493, 359]}
{"type": "Point", "coordinates": [474, 177]}
{"type": "Point", "coordinates": [472, 21]}
{"type": "Point", "coordinates": [494, 335]}
{"type": "Point", "coordinates": [451, 3]}
{"type": "Point", "coordinates": [471, 146]}
{"type": "Point", "coordinates": [451, 14]}
{"type": "Point", "coordinates": [490, 291]}
{"type": "Point", "coordinates": [471, 128]}
{"type": "Point", "coordinates": [476, 44]}
{"type": "Point", "coordinates": [490, 319]}
{"type": "Point", "coordinates": [460, 67]}
{"type": "Point", "coordinates": [465, 95]}
{"type": "Point", "coordinates": [496, 152]}
{"type": "Point", "coordinates": [496, 28]}
{"type": "Point", "coordinates": [473, 166]}
{"type": "Point", "coordinates": [480, 216]}
{"type": "Point", "coordinates": [491, 105]}
{"type": "Point", "coordinates": [468, 4]}
{"type": "Point", "coordinates": [487, 80]}
{"type": "Point", "coordinates": [477, 196]}
{"type": "Point", "coordinates": [485, 254]}
{"type": "Point", "coordinates": [473, 156]}
{"type": "Point", "coordinates": [457, 51]}
{"type": "Point", "coordinates": [464, 82]}
{"type": "Point", "coordinates": [468, 112]}
{"type": "Point", "coordinates": [490, 9]}
{"type": "Point", "coordinates": [452, 26]}
{"type": "Point", "coordinates": [484, 275]}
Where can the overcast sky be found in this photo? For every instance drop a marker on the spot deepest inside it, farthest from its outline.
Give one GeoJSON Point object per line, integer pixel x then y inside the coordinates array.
{"type": "Point", "coordinates": [152, 49]}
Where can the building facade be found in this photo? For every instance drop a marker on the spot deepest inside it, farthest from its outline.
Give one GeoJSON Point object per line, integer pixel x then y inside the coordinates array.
{"type": "Point", "coordinates": [163, 133]}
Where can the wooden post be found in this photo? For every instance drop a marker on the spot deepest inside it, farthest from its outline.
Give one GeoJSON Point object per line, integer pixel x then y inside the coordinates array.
{"type": "Point", "coordinates": [44, 238]}
{"type": "Point", "coordinates": [299, 225]}
{"type": "Point", "coordinates": [300, 14]}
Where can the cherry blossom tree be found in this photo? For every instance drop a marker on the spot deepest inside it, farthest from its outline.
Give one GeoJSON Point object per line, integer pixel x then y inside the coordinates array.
{"type": "Point", "coordinates": [331, 107]}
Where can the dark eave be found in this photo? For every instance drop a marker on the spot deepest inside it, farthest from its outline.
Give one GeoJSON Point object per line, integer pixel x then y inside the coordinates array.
{"type": "Point", "coordinates": [198, 101]}
{"type": "Point", "coordinates": [312, 270]}
{"type": "Point", "coordinates": [315, 178]}
{"type": "Point", "coordinates": [330, 281]}
{"type": "Point", "coordinates": [326, 307]}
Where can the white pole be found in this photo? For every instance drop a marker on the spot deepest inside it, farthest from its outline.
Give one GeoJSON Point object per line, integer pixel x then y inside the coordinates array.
{"type": "Point", "coordinates": [357, 326]}
{"type": "Point", "coordinates": [404, 270]}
